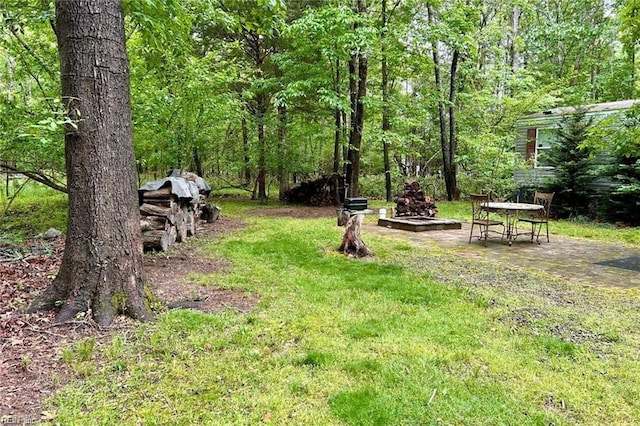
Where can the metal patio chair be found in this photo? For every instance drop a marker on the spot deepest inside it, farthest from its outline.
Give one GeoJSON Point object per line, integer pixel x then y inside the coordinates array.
{"type": "Point", "coordinates": [540, 219]}
{"type": "Point", "coordinates": [480, 218]}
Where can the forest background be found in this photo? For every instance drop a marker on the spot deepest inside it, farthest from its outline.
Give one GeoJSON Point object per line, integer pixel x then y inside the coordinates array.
{"type": "Point", "coordinates": [262, 94]}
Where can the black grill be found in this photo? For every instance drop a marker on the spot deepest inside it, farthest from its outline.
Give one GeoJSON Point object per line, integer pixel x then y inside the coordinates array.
{"type": "Point", "coordinates": [355, 204]}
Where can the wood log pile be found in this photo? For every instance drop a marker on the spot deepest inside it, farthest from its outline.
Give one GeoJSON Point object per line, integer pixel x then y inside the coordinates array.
{"type": "Point", "coordinates": [414, 202]}
{"type": "Point", "coordinates": [170, 209]}
{"type": "Point", "coordinates": [325, 191]}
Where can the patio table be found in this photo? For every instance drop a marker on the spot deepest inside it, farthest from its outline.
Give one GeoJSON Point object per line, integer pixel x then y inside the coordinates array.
{"type": "Point", "coordinates": [511, 211]}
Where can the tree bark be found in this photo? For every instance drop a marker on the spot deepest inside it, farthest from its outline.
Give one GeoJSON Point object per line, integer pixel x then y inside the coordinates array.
{"type": "Point", "coordinates": [337, 141]}
{"type": "Point", "coordinates": [451, 172]}
{"type": "Point", "coordinates": [447, 133]}
{"type": "Point", "coordinates": [283, 173]}
{"type": "Point", "coordinates": [245, 150]}
{"type": "Point", "coordinates": [262, 147]}
{"type": "Point", "coordinates": [101, 271]}
{"type": "Point", "coordinates": [386, 112]}
{"type": "Point", "coordinates": [358, 87]}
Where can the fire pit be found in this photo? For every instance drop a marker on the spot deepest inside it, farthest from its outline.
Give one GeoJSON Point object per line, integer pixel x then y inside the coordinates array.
{"type": "Point", "coordinates": [419, 224]}
{"type": "Point", "coordinates": [416, 212]}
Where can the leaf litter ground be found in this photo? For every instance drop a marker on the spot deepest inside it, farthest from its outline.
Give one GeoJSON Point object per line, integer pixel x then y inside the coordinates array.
{"type": "Point", "coordinates": [31, 345]}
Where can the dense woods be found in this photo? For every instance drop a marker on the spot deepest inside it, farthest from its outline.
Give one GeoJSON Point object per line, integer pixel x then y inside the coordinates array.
{"type": "Point", "coordinates": [261, 94]}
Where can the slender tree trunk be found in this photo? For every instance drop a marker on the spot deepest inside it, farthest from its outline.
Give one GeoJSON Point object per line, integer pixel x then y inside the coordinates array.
{"type": "Point", "coordinates": [262, 148]}
{"type": "Point", "coordinates": [345, 137]}
{"type": "Point", "coordinates": [386, 123]}
{"type": "Point", "coordinates": [245, 149]}
{"type": "Point", "coordinates": [101, 269]}
{"type": "Point", "coordinates": [197, 162]}
{"type": "Point", "coordinates": [353, 97]}
{"type": "Point", "coordinates": [358, 86]}
{"type": "Point", "coordinates": [451, 174]}
{"type": "Point", "coordinates": [355, 139]}
{"type": "Point", "coordinates": [514, 60]}
{"type": "Point", "coordinates": [283, 175]}
{"type": "Point", "coordinates": [447, 146]}
{"type": "Point", "coordinates": [337, 141]}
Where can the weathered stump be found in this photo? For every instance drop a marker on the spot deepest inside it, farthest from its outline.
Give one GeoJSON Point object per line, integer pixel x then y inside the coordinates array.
{"type": "Point", "coordinates": [352, 243]}
{"type": "Point", "coordinates": [210, 213]}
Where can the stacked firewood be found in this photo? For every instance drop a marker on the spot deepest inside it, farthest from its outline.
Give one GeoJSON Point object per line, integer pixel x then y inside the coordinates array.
{"type": "Point", "coordinates": [170, 209]}
{"type": "Point", "coordinates": [325, 191]}
{"type": "Point", "coordinates": [414, 202]}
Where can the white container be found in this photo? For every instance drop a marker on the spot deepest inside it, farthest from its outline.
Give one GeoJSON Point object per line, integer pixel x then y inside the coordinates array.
{"type": "Point", "coordinates": [382, 213]}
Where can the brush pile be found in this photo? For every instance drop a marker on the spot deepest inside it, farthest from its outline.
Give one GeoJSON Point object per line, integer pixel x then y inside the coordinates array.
{"type": "Point", "coordinates": [325, 191]}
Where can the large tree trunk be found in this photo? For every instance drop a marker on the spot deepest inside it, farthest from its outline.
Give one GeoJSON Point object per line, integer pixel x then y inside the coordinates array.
{"type": "Point", "coordinates": [101, 269]}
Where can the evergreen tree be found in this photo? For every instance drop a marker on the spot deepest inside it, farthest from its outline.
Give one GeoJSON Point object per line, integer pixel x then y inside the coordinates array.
{"type": "Point", "coordinates": [573, 165]}
{"type": "Point", "coordinates": [621, 201]}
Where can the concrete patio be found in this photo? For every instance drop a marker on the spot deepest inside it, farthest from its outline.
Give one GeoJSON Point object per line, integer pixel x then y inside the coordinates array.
{"type": "Point", "coordinates": [574, 259]}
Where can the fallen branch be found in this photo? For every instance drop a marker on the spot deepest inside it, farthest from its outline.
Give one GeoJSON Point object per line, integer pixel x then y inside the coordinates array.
{"type": "Point", "coordinates": [37, 176]}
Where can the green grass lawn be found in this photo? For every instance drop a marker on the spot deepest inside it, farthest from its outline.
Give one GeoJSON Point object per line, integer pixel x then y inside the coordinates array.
{"type": "Point", "coordinates": [408, 337]}
{"type": "Point", "coordinates": [411, 336]}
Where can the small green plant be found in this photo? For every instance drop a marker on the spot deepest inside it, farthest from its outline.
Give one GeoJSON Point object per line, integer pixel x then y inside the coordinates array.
{"type": "Point", "coordinates": [85, 349]}
{"type": "Point", "coordinates": [317, 358]}
{"type": "Point", "coordinates": [79, 356]}
{"type": "Point", "coordinates": [556, 346]}
{"type": "Point", "coordinates": [26, 361]}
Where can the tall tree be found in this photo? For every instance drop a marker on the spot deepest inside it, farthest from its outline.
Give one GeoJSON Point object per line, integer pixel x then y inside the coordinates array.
{"type": "Point", "coordinates": [386, 122]}
{"type": "Point", "coordinates": [101, 269]}
{"type": "Point", "coordinates": [358, 69]}
{"type": "Point", "coordinates": [573, 162]}
{"type": "Point", "coordinates": [629, 14]}
{"type": "Point", "coordinates": [570, 40]}
{"type": "Point", "coordinates": [454, 39]}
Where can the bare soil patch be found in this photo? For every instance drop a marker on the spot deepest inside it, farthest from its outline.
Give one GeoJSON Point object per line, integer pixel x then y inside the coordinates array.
{"type": "Point", "coordinates": [297, 212]}
{"type": "Point", "coordinates": [31, 345]}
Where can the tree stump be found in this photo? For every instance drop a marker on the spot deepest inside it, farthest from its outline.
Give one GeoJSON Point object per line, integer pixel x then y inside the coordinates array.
{"type": "Point", "coordinates": [210, 213]}
{"type": "Point", "coordinates": [352, 243]}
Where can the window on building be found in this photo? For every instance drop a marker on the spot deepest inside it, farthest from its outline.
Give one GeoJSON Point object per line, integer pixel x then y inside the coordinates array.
{"type": "Point", "coordinates": [544, 140]}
